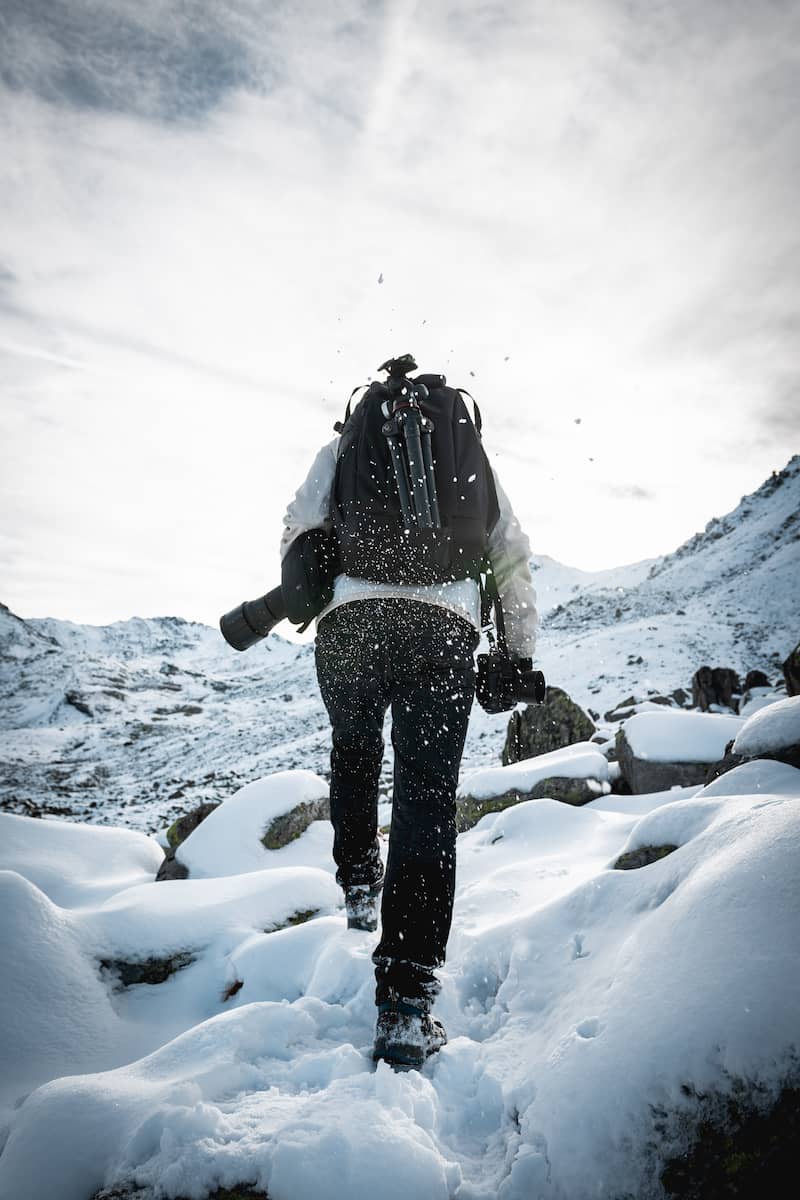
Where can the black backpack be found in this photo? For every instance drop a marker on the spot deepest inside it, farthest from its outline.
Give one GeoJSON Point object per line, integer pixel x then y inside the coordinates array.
{"type": "Point", "coordinates": [365, 507]}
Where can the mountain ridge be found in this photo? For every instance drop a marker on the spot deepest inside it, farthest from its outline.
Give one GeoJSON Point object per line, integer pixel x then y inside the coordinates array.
{"type": "Point", "coordinates": [137, 721]}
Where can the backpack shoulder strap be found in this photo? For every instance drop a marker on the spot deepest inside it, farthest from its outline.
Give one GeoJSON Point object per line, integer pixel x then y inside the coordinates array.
{"type": "Point", "coordinates": [339, 425]}
{"type": "Point", "coordinates": [478, 420]}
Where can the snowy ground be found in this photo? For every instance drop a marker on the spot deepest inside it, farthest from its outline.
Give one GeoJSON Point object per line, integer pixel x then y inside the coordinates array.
{"type": "Point", "coordinates": [579, 1000]}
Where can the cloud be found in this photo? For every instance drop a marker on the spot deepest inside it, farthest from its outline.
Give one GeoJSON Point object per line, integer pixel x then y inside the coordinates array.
{"type": "Point", "coordinates": [590, 206]}
{"type": "Point", "coordinates": [629, 491]}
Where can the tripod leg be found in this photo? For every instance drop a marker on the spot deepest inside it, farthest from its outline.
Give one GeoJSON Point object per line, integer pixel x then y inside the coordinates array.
{"type": "Point", "coordinates": [416, 465]}
{"type": "Point", "coordinates": [430, 476]}
{"type": "Point", "coordinates": [401, 475]}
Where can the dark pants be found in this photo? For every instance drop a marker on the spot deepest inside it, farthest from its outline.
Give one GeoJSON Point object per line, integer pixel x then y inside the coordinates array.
{"type": "Point", "coordinates": [418, 659]}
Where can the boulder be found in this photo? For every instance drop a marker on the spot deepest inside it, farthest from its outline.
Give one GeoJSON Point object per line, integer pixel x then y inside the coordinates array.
{"type": "Point", "coordinates": [631, 860]}
{"type": "Point", "coordinates": [470, 809]}
{"type": "Point", "coordinates": [791, 672]}
{"type": "Point", "coordinates": [288, 826]}
{"type": "Point", "coordinates": [539, 728]}
{"type": "Point", "coordinates": [772, 732]}
{"type": "Point", "coordinates": [643, 775]}
{"type": "Point", "coordinates": [171, 867]}
{"type": "Point", "coordinates": [755, 679]}
{"type": "Point", "coordinates": [574, 774]}
{"type": "Point", "coordinates": [262, 817]}
{"type": "Point", "coordinates": [673, 748]}
{"type": "Point", "coordinates": [715, 686]}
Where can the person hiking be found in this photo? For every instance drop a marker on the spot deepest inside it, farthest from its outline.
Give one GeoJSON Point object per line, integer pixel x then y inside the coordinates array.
{"type": "Point", "coordinates": [400, 633]}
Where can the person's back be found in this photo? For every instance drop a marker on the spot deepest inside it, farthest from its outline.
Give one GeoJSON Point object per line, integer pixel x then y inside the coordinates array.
{"type": "Point", "coordinates": [400, 633]}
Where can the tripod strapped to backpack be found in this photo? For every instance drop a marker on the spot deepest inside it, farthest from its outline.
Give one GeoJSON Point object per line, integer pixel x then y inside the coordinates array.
{"type": "Point", "coordinates": [409, 430]}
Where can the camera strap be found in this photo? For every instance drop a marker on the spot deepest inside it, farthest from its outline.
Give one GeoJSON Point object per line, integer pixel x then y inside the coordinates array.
{"type": "Point", "coordinates": [490, 602]}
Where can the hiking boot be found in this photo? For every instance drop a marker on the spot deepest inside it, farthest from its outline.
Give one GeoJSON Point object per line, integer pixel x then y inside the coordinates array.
{"type": "Point", "coordinates": [362, 902]}
{"type": "Point", "coordinates": [406, 1033]}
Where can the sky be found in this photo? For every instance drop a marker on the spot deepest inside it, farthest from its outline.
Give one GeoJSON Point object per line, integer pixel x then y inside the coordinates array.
{"type": "Point", "coordinates": [217, 219]}
{"type": "Point", "coordinates": [594, 1014]}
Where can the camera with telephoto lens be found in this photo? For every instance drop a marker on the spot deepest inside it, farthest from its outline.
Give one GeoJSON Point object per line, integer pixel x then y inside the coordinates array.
{"type": "Point", "coordinates": [251, 621]}
{"type": "Point", "coordinates": [504, 682]}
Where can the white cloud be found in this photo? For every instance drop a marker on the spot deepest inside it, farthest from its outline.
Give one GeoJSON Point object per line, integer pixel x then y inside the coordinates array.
{"type": "Point", "coordinates": [588, 206]}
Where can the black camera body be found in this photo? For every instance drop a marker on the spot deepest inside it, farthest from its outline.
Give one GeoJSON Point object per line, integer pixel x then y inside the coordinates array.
{"type": "Point", "coordinates": [504, 682]}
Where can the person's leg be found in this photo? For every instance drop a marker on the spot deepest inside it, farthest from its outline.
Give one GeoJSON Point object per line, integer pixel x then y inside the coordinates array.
{"type": "Point", "coordinates": [348, 658]}
{"type": "Point", "coordinates": [432, 692]}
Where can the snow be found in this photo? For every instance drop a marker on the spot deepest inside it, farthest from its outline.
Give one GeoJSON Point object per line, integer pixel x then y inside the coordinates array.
{"type": "Point", "coordinates": [675, 736]}
{"type": "Point", "coordinates": [77, 864]}
{"type": "Point", "coordinates": [228, 841]}
{"type": "Point", "coordinates": [583, 760]}
{"type": "Point", "coordinates": [772, 728]}
{"type": "Point", "coordinates": [576, 998]}
{"type": "Point", "coordinates": [579, 999]}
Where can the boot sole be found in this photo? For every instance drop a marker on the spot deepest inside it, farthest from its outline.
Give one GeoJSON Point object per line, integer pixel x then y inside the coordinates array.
{"type": "Point", "coordinates": [403, 1055]}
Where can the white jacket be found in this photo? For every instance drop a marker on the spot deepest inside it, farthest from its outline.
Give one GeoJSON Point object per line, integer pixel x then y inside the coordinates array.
{"type": "Point", "coordinates": [509, 554]}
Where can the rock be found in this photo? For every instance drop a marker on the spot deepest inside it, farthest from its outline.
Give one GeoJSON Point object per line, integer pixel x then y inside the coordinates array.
{"type": "Point", "coordinates": [626, 708]}
{"type": "Point", "coordinates": [644, 775]}
{"type": "Point", "coordinates": [727, 763]}
{"type": "Point", "coordinates": [772, 733]}
{"type": "Point", "coordinates": [539, 728]}
{"type": "Point", "coordinates": [740, 1142]}
{"type": "Point", "coordinates": [288, 826]}
{"type": "Point", "coordinates": [79, 701]}
{"type": "Point", "coordinates": [715, 686]}
{"type": "Point", "coordinates": [631, 860]}
{"type": "Point", "coordinates": [171, 868]}
{"type": "Point", "coordinates": [577, 792]}
{"type": "Point", "coordinates": [147, 970]}
{"type": "Point", "coordinates": [791, 672]}
{"type": "Point", "coordinates": [178, 832]}
{"type": "Point", "coordinates": [130, 1191]}
{"type": "Point", "coordinates": [755, 679]}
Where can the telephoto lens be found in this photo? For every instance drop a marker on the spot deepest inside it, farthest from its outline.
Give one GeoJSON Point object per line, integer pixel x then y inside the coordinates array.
{"type": "Point", "coordinates": [242, 627]}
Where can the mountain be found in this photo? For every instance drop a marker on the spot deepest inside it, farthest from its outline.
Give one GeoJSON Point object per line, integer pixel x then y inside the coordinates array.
{"type": "Point", "coordinates": [136, 722]}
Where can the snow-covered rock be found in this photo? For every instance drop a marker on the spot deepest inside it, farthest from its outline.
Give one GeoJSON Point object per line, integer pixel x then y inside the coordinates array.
{"type": "Point", "coordinates": [254, 828]}
{"type": "Point", "coordinates": [575, 774]}
{"type": "Point", "coordinates": [772, 732]}
{"type": "Point", "coordinates": [672, 748]}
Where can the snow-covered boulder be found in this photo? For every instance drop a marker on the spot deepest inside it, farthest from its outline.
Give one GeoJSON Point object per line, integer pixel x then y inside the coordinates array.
{"type": "Point", "coordinates": [74, 863]}
{"type": "Point", "coordinates": [772, 732]}
{"type": "Point", "coordinates": [539, 728]}
{"type": "Point", "coordinates": [657, 751]}
{"type": "Point", "coordinates": [575, 774]}
{"type": "Point", "coordinates": [254, 827]}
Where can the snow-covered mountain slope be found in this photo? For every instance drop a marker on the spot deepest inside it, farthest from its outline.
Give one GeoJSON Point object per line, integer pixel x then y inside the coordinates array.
{"type": "Point", "coordinates": [729, 596]}
{"type": "Point", "coordinates": [136, 722]}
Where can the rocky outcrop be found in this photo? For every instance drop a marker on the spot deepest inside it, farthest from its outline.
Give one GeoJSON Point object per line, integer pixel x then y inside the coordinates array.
{"type": "Point", "coordinates": [470, 809]}
{"type": "Point", "coordinates": [715, 686]}
{"type": "Point", "coordinates": [171, 867]}
{"type": "Point", "coordinates": [631, 860]}
{"type": "Point", "coordinates": [147, 970]}
{"type": "Point", "coordinates": [771, 733]}
{"type": "Point", "coordinates": [791, 672]}
{"type": "Point", "coordinates": [290, 825]}
{"type": "Point", "coordinates": [644, 775]}
{"type": "Point", "coordinates": [539, 728]}
{"type": "Point", "coordinates": [132, 1192]}
{"type": "Point", "coordinates": [755, 679]}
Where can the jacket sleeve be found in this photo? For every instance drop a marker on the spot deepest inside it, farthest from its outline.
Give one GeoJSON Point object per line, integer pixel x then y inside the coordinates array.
{"type": "Point", "coordinates": [509, 556]}
{"type": "Point", "coordinates": [310, 507]}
